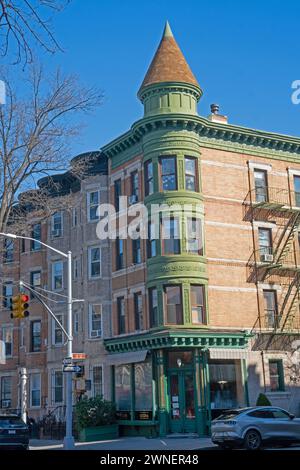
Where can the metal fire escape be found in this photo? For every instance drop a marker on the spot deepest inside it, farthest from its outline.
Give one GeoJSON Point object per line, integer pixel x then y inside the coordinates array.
{"type": "Point", "coordinates": [279, 263]}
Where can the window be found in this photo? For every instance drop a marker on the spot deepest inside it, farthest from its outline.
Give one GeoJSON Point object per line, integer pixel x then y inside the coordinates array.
{"type": "Point", "coordinates": [143, 386]}
{"type": "Point", "coordinates": [265, 242]}
{"type": "Point", "coordinates": [138, 310]}
{"type": "Point", "coordinates": [118, 193]}
{"type": "Point", "coordinates": [262, 414]}
{"type": "Point", "coordinates": [57, 334]}
{"type": "Point", "coordinates": [123, 387]}
{"type": "Point", "coordinates": [134, 180]}
{"type": "Point", "coordinates": [7, 337]}
{"type": "Point", "coordinates": [57, 275]}
{"type": "Point", "coordinates": [280, 414]}
{"type": "Point", "coordinates": [261, 185]}
{"type": "Point", "coordinates": [35, 281]}
{"type": "Point", "coordinates": [35, 336]}
{"type": "Point", "coordinates": [76, 268]}
{"type": "Point", "coordinates": [270, 310]}
{"type": "Point", "coordinates": [149, 179]}
{"type": "Point", "coordinates": [97, 381]}
{"type": "Point", "coordinates": [8, 255]}
{"type": "Point", "coordinates": [198, 304]}
{"type": "Point", "coordinates": [191, 180]}
{"type": "Point", "coordinates": [35, 390]}
{"type": "Point", "coordinates": [23, 245]}
{"type": "Point", "coordinates": [151, 242]}
{"type": "Point", "coordinates": [173, 305]}
{"type": "Point", "coordinates": [94, 262]}
{"type": "Point", "coordinates": [57, 224]}
{"type": "Point", "coordinates": [74, 217]}
{"type": "Point", "coordinates": [194, 236]}
{"type": "Point", "coordinates": [136, 251]}
{"type": "Point", "coordinates": [7, 294]}
{"type": "Point", "coordinates": [93, 201]}
{"type": "Point", "coordinates": [95, 321]}
{"type": "Point", "coordinates": [57, 385]}
{"type": "Point", "coordinates": [276, 375]}
{"type": "Point", "coordinates": [297, 190]}
{"type": "Point", "coordinates": [6, 392]}
{"type": "Point", "coordinates": [226, 386]}
{"type": "Point", "coordinates": [168, 177]}
{"type": "Point", "coordinates": [170, 236]}
{"type": "Point", "coordinates": [119, 253]}
{"type": "Point", "coordinates": [76, 323]}
{"type": "Point", "coordinates": [153, 307]}
{"type": "Point", "coordinates": [36, 233]}
{"type": "Point", "coordinates": [121, 315]}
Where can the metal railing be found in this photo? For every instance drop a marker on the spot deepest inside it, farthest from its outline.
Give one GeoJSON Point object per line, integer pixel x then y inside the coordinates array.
{"type": "Point", "coordinates": [278, 197]}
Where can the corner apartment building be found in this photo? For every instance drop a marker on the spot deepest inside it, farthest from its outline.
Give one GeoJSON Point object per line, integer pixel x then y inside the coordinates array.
{"type": "Point", "coordinates": [175, 329]}
{"type": "Point", "coordinates": [202, 323]}
{"type": "Point", "coordinates": [37, 343]}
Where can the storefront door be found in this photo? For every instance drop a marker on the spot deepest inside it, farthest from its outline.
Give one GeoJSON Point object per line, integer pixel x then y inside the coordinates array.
{"type": "Point", "coordinates": [182, 401]}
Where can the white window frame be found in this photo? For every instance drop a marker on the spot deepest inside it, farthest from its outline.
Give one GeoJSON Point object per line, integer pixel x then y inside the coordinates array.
{"type": "Point", "coordinates": [89, 205]}
{"type": "Point", "coordinates": [52, 225]}
{"type": "Point", "coordinates": [55, 326]}
{"type": "Point", "coordinates": [53, 373]}
{"type": "Point", "coordinates": [95, 336]}
{"type": "Point", "coordinates": [4, 328]}
{"type": "Point", "coordinates": [52, 275]}
{"type": "Point", "coordinates": [31, 389]}
{"type": "Point", "coordinates": [90, 248]}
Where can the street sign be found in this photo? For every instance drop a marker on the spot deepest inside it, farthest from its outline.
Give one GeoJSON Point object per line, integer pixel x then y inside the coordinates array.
{"type": "Point", "coordinates": [67, 360]}
{"type": "Point", "coordinates": [79, 356]}
{"type": "Point", "coordinates": [71, 368]}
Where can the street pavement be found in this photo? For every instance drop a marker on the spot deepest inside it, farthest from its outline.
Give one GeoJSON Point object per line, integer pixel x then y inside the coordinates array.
{"type": "Point", "coordinates": [139, 443]}
{"type": "Point", "coordinates": [130, 443]}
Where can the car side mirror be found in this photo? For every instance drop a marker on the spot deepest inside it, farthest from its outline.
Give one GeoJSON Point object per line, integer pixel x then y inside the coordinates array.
{"type": "Point", "coordinates": [292, 416]}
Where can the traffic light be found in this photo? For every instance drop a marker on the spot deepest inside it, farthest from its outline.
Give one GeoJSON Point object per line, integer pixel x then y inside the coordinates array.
{"type": "Point", "coordinates": [19, 305]}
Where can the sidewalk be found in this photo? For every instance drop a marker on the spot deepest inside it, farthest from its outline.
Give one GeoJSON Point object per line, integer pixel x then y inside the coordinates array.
{"type": "Point", "coordinates": [130, 443]}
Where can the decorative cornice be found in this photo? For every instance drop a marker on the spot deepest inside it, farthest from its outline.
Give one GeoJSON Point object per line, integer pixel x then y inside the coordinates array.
{"type": "Point", "coordinates": [213, 135]}
{"type": "Point", "coordinates": [165, 339]}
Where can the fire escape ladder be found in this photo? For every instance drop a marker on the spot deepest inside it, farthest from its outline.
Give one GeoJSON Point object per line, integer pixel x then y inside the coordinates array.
{"type": "Point", "coordinates": [287, 243]}
{"type": "Point", "coordinates": [288, 321]}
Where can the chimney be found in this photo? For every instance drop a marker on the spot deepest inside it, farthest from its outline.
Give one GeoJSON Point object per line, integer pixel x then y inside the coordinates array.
{"type": "Point", "coordinates": [215, 116]}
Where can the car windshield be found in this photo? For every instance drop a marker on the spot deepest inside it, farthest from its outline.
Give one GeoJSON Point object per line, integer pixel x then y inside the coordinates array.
{"type": "Point", "coordinates": [11, 422]}
{"type": "Point", "coordinates": [230, 414]}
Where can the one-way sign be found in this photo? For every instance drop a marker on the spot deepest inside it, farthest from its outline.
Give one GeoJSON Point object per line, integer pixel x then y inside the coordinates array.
{"type": "Point", "coordinates": [71, 368]}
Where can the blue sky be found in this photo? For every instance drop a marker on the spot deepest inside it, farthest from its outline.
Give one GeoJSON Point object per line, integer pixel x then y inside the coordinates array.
{"type": "Point", "coordinates": [245, 56]}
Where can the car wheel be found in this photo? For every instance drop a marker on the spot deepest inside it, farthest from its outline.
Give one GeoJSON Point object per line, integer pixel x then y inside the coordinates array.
{"type": "Point", "coordinates": [252, 440]}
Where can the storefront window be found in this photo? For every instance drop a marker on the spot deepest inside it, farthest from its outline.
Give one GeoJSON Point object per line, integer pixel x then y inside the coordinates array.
{"type": "Point", "coordinates": [143, 386]}
{"type": "Point", "coordinates": [123, 387]}
{"type": "Point", "coordinates": [226, 387]}
{"type": "Point", "coordinates": [180, 359]}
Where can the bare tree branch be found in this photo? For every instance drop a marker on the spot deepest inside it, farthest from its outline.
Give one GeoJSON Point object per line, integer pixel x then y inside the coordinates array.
{"type": "Point", "coordinates": [36, 131]}
{"type": "Point", "coordinates": [22, 23]}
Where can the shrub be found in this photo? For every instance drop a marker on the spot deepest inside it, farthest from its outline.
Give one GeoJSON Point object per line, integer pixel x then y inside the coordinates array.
{"type": "Point", "coordinates": [262, 400]}
{"type": "Point", "coordinates": [94, 412]}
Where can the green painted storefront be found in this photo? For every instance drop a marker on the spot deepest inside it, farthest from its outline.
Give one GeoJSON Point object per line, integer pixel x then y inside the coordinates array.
{"type": "Point", "coordinates": [177, 385]}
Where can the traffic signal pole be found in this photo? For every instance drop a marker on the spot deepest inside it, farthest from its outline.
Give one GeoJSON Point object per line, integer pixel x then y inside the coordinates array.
{"type": "Point", "coordinates": [69, 442]}
{"type": "Point", "coordinates": [69, 439]}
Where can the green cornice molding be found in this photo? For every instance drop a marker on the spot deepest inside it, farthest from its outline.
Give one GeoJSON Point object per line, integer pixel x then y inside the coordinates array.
{"type": "Point", "coordinates": [202, 338]}
{"type": "Point", "coordinates": [167, 87]}
{"type": "Point", "coordinates": [226, 137]}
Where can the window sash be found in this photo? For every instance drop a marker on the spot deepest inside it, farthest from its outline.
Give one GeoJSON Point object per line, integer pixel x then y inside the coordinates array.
{"type": "Point", "coordinates": [57, 275]}
{"type": "Point", "coordinates": [37, 235]}
{"type": "Point", "coordinates": [149, 179]}
{"type": "Point", "coordinates": [168, 174]}
{"type": "Point", "coordinates": [35, 390]}
{"type": "Point", "coordinates": [94, 262]}
{"type": "Point", "coordinates": [153, 306]}
{"type": "Point", "coordinates": [117, 193]}
{"type": "Point", "coordinates": [173, 305]}
{"type": "Point", "coordinates": [134, 179]}
{"type": "Point", "coordinates": [95, 321]}
{"type": "Point", "coordinates": [170, 235]}
{"type": "Point", "coordinates": [57, 332]}
{"type": "Point", "coordinates": [36, 339]}
{"type": "Point", "coordinates": [7, 294]}
{"type": "Point", "coordinates": [138, 310]}
{"type": "Point", "coordinates": [58, 387]}
{"type": "Point", "coordinates": [7, 337]}
{"type": "Point", "coordinates": [121, 315]}
{"type": "Point", "coordinates": [6, 389]}
{"type": "Point", "coordinates": [97, 381]}
{"type": "Point", "coordinates": [93, 204]}
{"type": "Point", "coordinates": [194, 235]}
{"type": "Point", "coordinates": [8, 256]}
{"type": "Point", "coordinates": [136, 251]}
{"type": "Point", "coordinates": [191, 181]}
{"type": "Point", "coordinates": [198, 304]}
{"type": "Point", "coordinates": [57, 224]}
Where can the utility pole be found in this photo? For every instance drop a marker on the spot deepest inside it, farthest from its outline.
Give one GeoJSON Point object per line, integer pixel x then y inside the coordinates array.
{"type": "Point", "coordinates": [23, 397]}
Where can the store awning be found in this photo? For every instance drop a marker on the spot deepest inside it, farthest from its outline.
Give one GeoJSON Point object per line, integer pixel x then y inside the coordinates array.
{"type": "Point", "coordinates": [220, 353]}
{"type": "Point", "coordinates": [125, 358]}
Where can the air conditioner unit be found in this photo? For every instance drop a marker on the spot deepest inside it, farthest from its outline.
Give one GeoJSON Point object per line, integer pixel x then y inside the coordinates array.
{"type": "Point", "coordinates": [266, 258]}
{"type": "Point", "coordinates": [133, 199]}
{"type": "Point", "coordinates": [56, 233]}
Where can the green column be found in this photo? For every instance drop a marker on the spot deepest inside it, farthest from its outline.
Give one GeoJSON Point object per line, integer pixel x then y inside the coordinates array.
{"type": "Point", "coordinates": [162, 393]}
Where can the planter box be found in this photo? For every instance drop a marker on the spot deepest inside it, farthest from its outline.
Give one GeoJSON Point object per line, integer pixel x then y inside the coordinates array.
{"type": "Point", "coordinates": [99, 433]}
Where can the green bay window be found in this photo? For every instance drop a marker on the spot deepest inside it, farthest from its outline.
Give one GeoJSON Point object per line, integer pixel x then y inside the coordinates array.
{"type": "Point", "coordinates": [198, 304]}
{"type": "Point", "coordinates": [168, 174]}
{"type": "Point", "coordinates": [170, 235]}
{"type": "Point", "coordinates": [191, 174]}
{"type": "Point", "coordinates": [173, 305]}
{"type": "Point", "coordinates": [194, 236]}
